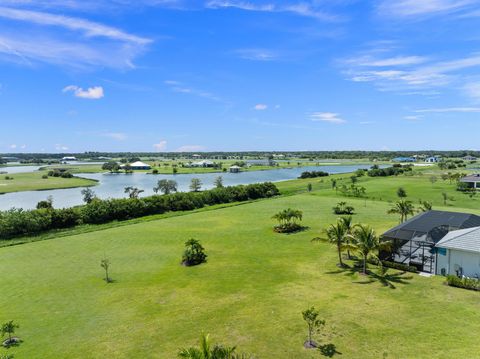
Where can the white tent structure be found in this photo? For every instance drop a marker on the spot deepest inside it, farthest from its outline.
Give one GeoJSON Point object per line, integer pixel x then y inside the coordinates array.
{"type": "Point", "coordinates": [138, 166]}
{"type": "Point", "coordinates": [458, 253]}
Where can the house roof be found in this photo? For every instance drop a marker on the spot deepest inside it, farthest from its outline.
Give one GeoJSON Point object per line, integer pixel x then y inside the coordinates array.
{"type": "Point", "coordinates": [235, 167]}
{"type": "Point", "coordinates": [431, 222]}
{"type": "Point", "coordinates": [139, 164]}
{"type": "Point", "coordinates": [463, 239]}
{"type": "Point", "coordinates": [471, 178]}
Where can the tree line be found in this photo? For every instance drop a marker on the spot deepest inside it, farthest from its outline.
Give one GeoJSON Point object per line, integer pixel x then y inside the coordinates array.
{"type": "Point", "coordinates": [19, 222]}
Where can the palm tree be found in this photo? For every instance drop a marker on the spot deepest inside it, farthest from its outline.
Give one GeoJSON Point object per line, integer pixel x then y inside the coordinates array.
{"type": "Point", "coordinates": [336, 234]}
{"type": "Point", "coordinates": [207, 351]}
{"type": "Point", "coordinates": [366, 242]}
{"type": "Point", "coordinates": [349, 241]}
{"type": "Point", "coordinates": [403, 208]}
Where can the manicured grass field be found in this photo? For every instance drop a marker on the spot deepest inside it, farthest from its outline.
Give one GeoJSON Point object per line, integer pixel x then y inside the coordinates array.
{"type": "Point", "coordinates": [250, 293]}
{"type": "Point", "coordinates": [33, 181]}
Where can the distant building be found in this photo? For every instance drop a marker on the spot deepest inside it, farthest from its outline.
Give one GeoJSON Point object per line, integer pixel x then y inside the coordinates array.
{"type": "Point", "coordinates": [196, 156]}
{"type": "Point", "coordinates": [235, 169]}
{"type": "Point", "coordinates": [137, 166]}
{"type": "Point", "coordinates": [433, 159]}
{"type": "Point", "coordinates": [203, 163]}
{"type": "Point", "coordinates": [69, 158]}
{"type": "Point", "coordinates": [469, 158]}
{"type": "Point", "coordinates": [404, 159]}
{"type": "Point", "coordinates": [472, 180]}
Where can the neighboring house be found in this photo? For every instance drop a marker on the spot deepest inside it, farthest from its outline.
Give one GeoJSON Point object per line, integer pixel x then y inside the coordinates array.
{"type": "Point", "coordinates": [138, 166]}
{"type": "Point", "coordinates": [413, 241]}
{"type": "Point", "coordinates": [458, 253]}
{"type": "Point", "coordinates": [69, 158]}
{"type": "Point", "coordinates": [433, 159]}
{"type": "Point", "coordinates": [469, 158]}
{"type": "Point", "coordinates": [473, 181]}
{"type": "Point", "coordinates": [404, 159]}
{"type": "Point", "coordinates": [196, 156]}
{"type": "Point", "coordinates": [204, 163]}
{"type": "Point", "coordinates": [234, 169]}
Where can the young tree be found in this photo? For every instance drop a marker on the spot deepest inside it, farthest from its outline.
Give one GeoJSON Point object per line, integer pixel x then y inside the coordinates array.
{"type": "Point", "coordinates": [9, 329]}
{"type": "Point", "coordinates": [334, 183]}
{"type": "Point", "coordinates": [88, 195]}
{"type": "Point", "coordinates": [207, 351]}
{"type": "Point", "coordinates": [403, 208]}
{"type": "Point", "coordinates": [445, 198]}
{"type": "Point", "coordinates": [310, 316]}
{"type": "Point", "coordinates": [401, 193]}
{"type": "Point", "coordinates": [218, 182]}
{"type": "Point", "coordinates": [166, 186]}
{"type": "Point", "coordinates": [433, 179]}
{"type": "Point", "coordinates": [288, 220]}
{"type": "Point", "coordinates": [105, 264]}
{"type": "Point", "coordinates": [111, 166]}
{"type": "Point", "coordinates": [425, 206]}
{"type": "Point", "coordinates": [195, 185]}
{"type": "Point", "coordinates": [309, 187]}
{"type": "Point", "coordinates": [194, 253]}
{"type": "Point", "coordinates": [133, 192]}
{"type": "Point", "coordinates": [354, 179]}
{"type": "Point", "coordinates": [47, 204]}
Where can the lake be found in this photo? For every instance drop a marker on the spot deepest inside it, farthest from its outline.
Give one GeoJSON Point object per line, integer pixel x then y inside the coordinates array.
{"type": "Point", "coordinates": [112, 185]}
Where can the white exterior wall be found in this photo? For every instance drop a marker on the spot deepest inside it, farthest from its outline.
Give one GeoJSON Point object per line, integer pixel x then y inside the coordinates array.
{"type": "Point", "coordinates": [468, 261]}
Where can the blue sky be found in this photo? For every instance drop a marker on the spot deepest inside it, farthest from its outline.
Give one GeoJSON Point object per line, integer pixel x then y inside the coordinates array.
{"type": "Point", "coordinates": [180, 75]}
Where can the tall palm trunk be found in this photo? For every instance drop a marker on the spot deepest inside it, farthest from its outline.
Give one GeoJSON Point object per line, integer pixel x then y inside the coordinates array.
{"type": "Point", "coordinates": [339, 249]}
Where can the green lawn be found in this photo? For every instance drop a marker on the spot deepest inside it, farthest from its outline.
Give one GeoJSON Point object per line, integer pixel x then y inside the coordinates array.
{"type": "Point", "coordinates": [250, 293]}
{"type": "Point", "coordinates": [33, 181]}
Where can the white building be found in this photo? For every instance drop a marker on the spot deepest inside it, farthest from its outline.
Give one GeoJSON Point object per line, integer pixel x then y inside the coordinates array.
{"type": "Point", "coordinates": [204, 163]}
{"type": "Point", "coordinates": [235, 169]}
{"type": "Point", "coordinates": [458, 253]}
{"type": "Point", "coordinates": [69, 158]}
{"type": "Point", "coordinates": [433, 159]}
{"type": "Point", "coordinates": [138, 166]}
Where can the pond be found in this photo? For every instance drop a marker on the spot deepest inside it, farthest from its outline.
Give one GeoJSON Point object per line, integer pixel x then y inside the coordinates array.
{"type": "Point", "coordinates": [113, 185]}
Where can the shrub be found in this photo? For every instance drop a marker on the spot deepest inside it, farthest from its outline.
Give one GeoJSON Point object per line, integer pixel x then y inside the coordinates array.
{"type": "Point", "coordinates": [44, 176]}
{"type": "Point", "coordinates": [313, 174]}
{"type": "Point", "coordinates": [342, 208]}
{"type": "Point", "coordinates": [288, 220]}
{"type": "Point", "coordinates": [194, 253]}
{"type": "Point", "coordinates": [466, 283]}
{"type": "Point", "coordinates": [389, 171]}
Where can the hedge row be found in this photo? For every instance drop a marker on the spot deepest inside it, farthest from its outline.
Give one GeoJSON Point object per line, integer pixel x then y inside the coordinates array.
{"type": "Point", "coordinates": [18, 222]}
{"type": "Point", "coordinates": [467, 283]}
{"type": "Point", "coordinates": [313, 174]}
{"type": "Point", "coordinates": [389, 171]}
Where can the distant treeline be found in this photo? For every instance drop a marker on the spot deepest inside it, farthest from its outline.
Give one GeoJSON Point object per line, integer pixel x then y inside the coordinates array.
{"type": "Point", "coordinates": [313, 174]}
{"type": "Point", "coordinates": [313, 155]}
{"type": "Point", "coordinates": [18, 222]}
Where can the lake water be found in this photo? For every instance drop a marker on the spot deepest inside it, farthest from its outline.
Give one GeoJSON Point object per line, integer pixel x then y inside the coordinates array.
{"type": "Point", "coordinates": [112, 185]}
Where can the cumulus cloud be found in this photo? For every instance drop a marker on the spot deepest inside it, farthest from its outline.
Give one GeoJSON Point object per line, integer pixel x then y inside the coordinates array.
{"type": "Point", "coordinates": [92, 93]}
{"type": "Point", "coordinates": [60, 147]}
{"type": "Point", "coordinates": [260, 107]}
{"type": "Point", "coordinates": [161, 146]}
{"type": "Point", "coordinates": [327, 117]}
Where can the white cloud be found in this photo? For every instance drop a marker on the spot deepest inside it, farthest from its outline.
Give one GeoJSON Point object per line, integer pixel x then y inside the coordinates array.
{"type": "Point", "coordinates": [473, 90]}
{"type": "Point", "coordinates": [79, 43]}
{"type": "Point", "coordinates": [299, 9]}
{"type": "Point", "coordinates": [116, 136]}
{"type": "Point", "coordinates": [411, 8]}
{"type": "Point", "coordinates": [190, 148]}
{"type": "Point", "coordinates": [449, 109]}
{"type": "Point", "coordinates": [60, 147]}
{"type": "Point", "coordinates": [260, 107]}
{"type": "Point", "coordinates": [92, 93]}
{"type": "Point", "coordinates": [327, 117]}
{"type": "Point", "coordinates": [412, 118]}
{"type": "Point", "coordinates": [13, 146]}
{"type": "Point", "coordinates": [392, 61]}
{"type": "Point", "coordinates": [89, 28]}
{"type": "Point", "coordinates": [161, 146]}
{"type": "Point", "coordinates": [177, 86]}
{"type": "Point", "coordinates": [257, 54]}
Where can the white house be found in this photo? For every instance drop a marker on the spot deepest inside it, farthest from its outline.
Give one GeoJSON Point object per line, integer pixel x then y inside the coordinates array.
{"type": "Point", "coordinates": [69, 158]}
{"type": "Point", "coordinates": [469, 158]}
{"type": "Point", "coordinates": [458, 253]}
{"type": "Point", "coordinates": [138, 166]}
{"type": "Point", "coordinates": [433, 159]}
{"type": "Point", "coordinates": [472, 180]}
{"type": "Point", "coordinates": [203, 163]}
{"type": "Point", "coordinates": [235, 169]}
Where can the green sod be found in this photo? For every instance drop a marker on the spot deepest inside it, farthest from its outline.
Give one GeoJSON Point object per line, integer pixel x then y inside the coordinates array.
{"type": "Point", "coordinates": [33, 181]}
{"type": "Point", "coordinates": [250, 293]}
